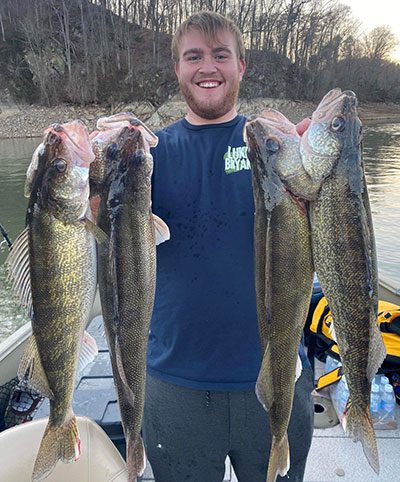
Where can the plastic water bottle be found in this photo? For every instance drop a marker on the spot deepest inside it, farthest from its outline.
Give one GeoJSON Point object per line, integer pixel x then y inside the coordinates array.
{"type": "Point", "coordinates": [383, 382]}
{"type": "Point", "coordinates": [388, 402]}
{"type": "Point", "coordinates": [375, 402]}
{"type": "Point", "coordinates": [376, 380]}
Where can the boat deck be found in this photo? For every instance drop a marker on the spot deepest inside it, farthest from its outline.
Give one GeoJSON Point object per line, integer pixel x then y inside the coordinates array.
{"type": "Point", "coordinates": [333, 456]}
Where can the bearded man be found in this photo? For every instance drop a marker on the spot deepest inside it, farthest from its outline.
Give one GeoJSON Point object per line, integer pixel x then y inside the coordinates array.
{"type": "Point", "coordinates": [204, 350]}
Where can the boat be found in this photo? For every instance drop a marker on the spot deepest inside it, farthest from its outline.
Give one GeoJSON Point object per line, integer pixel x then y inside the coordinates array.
{"type": "Point", "coordinates": [95, 398]}
{"type": "Point", "coordinates": [389, 290]}
{"type": "Point", "coordinates": [100, 459]}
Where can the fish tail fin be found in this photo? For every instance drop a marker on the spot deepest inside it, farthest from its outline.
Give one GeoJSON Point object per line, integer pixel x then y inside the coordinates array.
{"type": "Point", "coordinates": [58, 443]}
{"type": "Point", "coordinates": [136, 458]}
{"type": "Point", "coordinates": [358, 424]}
{"type": "Point", "coordinates": [279, 458]}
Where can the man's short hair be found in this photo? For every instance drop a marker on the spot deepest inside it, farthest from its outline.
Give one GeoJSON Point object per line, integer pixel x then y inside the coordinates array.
{"type": "Point", "coordinates": [208, 24]}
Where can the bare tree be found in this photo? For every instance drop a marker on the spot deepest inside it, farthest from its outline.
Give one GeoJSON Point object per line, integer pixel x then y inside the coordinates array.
{"type": "Point", "coordinates": [380, 43]}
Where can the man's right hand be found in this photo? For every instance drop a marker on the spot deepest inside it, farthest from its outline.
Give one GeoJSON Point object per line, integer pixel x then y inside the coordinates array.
{"type": "Point", "coordinates": [303, 125]}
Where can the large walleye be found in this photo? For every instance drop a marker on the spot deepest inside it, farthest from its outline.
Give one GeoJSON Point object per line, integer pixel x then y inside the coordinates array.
{"type": "Point", "coordinates": [53, 263]}
{"type": "Point", "coordinates": [344, 252]}
{"type": "Point", "coordinates": [127, 271]}
{"type": "Point", "coordinates": [284, 271]}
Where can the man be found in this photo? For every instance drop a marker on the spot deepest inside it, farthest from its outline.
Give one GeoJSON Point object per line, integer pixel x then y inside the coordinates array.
{"type": "Point", "coordinates": [204, 351]}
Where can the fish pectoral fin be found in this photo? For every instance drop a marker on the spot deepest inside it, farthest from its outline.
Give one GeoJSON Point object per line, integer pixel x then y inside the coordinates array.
{"type": "Point", "coordinates": [18, 266]}
{"type": "Point", "coordinates": [265, 383]}
{"type": "Point", "coordinates": [100, 236]}
{"type": "Point", "coordinates": [129, 395]}
{"type": "Point", "coordinates": [31, 369]}
{"type": "Point", "coordinates": [89, 351]}
{"type": "Point", "coordinates": [161, 229]}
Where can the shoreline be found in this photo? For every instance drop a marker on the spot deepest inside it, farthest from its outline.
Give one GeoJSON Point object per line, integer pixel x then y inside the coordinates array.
{"type": "Point", "coordinates": [20, 120]}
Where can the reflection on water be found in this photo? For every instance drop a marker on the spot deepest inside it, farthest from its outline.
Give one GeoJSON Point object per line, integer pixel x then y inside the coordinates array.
{"type": "Point", "coordinates": [382, 164]}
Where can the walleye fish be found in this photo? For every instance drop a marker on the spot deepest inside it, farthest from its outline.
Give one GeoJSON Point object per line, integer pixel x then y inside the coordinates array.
{"type": "Point", "coordinates": [54, 264]}
{"type": "Point", "coordinates": [284, 271]}
{"type": "Point", "coordinates": [127, 271]}
{"type": "Point", "coordinates": [344, 252]}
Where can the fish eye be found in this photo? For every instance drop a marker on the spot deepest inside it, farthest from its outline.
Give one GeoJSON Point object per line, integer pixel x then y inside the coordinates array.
{"type": "Point", "coordinates": [60, 164]}
{"type": "Point", "coordinates": [338, 124]}
{"type": "Point", "coordinates": [272, 145]}
{"type": "Point", "coordinates": [112, 150]}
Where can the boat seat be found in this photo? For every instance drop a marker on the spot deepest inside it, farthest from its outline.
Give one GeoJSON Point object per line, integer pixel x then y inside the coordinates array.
{"type": "Point", "coordinates": [100, 461]}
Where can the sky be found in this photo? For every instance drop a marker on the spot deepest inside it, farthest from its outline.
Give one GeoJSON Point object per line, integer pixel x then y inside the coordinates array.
{"type": "Point", "coordinates": [376, 13]}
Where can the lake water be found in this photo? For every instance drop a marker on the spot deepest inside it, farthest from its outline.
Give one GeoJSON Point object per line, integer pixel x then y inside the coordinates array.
{"type": "Point", "coordinates": [382, 161]}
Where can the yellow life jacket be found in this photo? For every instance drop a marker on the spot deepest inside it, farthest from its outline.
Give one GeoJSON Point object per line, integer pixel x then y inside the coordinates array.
{"type": "Point", "coordinates": [388, 321]}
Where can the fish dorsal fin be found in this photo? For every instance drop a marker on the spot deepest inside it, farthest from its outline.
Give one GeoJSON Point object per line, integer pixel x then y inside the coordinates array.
{"type": "Point", "coordinates": [31, 370]}
{"type": "Point", "coordinates": [161, 228]}
{"type": "Point", "coordinates": [18, 266]}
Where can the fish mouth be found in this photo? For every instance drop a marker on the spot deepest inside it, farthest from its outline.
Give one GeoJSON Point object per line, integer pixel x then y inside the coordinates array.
{"type": "Point", "coordinates": [269, 124]}
{"type": "Point", "coordinates": [336, 102]}
{"type": "Point", "coordinates": [117, 122]}
{"type": "Point", "coordinates": [274, 122]}
{"type": "Point", "coordinates": [74, 137]}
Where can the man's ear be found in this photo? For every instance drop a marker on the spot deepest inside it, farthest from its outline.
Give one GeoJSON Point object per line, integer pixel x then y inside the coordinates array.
{"type": "Point", "coordinates": [242, 68]}
{"type": "Point", "coordinates": [177, 69]}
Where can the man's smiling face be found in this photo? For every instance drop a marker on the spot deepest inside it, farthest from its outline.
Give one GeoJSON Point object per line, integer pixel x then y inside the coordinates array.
{"type": "Point", "coordinates": [209, 75]}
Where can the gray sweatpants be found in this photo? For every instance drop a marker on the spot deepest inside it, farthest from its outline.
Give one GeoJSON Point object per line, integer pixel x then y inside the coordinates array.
{"type": "Point", "coordinates": [189, 433]}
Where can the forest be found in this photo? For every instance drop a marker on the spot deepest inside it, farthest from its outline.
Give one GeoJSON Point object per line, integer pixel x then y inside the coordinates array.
{"type": "Point", "coordinates": [107, 51]}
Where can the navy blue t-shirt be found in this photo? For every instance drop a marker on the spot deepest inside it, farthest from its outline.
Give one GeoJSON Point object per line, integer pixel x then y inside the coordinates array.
{"type": "Point", "coordinates": [204, 331]}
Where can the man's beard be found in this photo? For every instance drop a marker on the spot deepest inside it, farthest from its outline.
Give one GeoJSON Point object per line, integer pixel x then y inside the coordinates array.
{"type": "Point", "coordinates": [210, 110]}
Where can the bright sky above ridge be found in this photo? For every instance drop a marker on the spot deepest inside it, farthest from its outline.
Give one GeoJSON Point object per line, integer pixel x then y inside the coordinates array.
{"type": "Point", "coordinates": [373, 13]}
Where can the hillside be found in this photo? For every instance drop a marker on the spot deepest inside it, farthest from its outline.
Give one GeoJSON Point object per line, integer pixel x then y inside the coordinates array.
{"type": "Point", "coordinates": [24, 120]}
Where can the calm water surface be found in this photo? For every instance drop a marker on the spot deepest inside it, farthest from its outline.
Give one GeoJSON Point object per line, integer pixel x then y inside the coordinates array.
{"type": "Point", "coordinates": [15, 155]}
{"type": "Point", "coordinates": [382, 160]}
